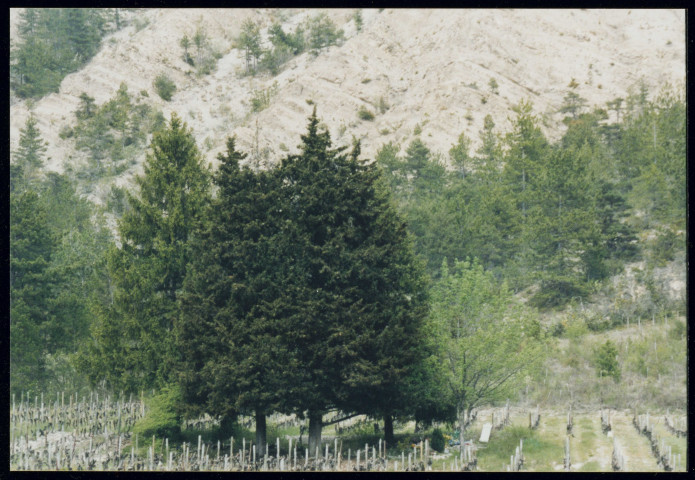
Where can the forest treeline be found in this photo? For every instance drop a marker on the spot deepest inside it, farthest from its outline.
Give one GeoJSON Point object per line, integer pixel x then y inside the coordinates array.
{"type": "Point", "coordinates": [54, 42]}
{"type": "Point", "coordinates": [331, 282]}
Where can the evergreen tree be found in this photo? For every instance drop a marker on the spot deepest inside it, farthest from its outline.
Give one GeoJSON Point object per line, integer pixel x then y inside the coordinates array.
{"type": "Point", "coordinates": [133, 343]}
{"type": "Point", "coordinates": [526, 150]}
{"type": "Point", "coordinates": [31, 246]}
{"type": "Point", "coordinates": [230, 332]}
{"type": "Point", "coordinates": [458, 154]}
{"type": "Point", "coordinates": [53, 42]}
{"type": "Point", "coordinates": [489, 151]}
{"type": "Point", "coordinates": [32, 148]}
{"type": "Point", "coordinates": [560, 226]}
{"type": "Point", "coordinates": [322, 32]}
{"type": "Point", "coordinates": [250, 41]}
{"type": "Point", "coordinates": [606, 361]}
{"type": "Point", "coordinates": [358, 291]}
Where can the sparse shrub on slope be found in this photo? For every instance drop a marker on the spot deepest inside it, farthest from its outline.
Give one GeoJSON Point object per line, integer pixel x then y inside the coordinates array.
{"type": "Point", "coordinates": [365, 114]}
{"type": "Point", "coordinates": [165, 87]}
{"type": "Point", "coordinates": [606, 361]}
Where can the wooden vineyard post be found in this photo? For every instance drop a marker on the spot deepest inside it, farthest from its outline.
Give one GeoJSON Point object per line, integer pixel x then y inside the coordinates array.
{"type": "Point", "coordinates": [567, 462]}
{"type": "Point", "coordinates": [617, 459]}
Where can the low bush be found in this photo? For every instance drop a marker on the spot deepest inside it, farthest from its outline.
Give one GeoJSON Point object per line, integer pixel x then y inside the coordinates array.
{"type": "Point", "coordinates": [163, 417]}
{"type": "Point", "coordinates": [365, 114]}
{"type": "Point", "coordinates": [438, 443]}
{"type": "Point", "coordinates": [165, 87]}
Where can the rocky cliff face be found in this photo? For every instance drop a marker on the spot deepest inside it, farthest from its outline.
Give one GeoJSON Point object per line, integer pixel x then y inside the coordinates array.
{"type": "Point", "coordinates": [432, 69]}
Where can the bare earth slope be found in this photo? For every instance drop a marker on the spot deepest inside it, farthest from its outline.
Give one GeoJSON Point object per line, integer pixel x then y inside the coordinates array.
{"type": "Point", "coordinates": [432, 68]}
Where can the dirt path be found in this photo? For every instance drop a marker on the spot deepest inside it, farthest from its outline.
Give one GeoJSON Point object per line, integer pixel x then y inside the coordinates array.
{"type": "Point", "coordinates": [590, 449]}
{"type": "Point", "coordinates": [638, 453]}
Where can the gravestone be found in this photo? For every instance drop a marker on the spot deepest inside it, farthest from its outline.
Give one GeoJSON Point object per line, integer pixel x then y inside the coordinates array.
{"type": "Point", "coordinates": [485, 434]}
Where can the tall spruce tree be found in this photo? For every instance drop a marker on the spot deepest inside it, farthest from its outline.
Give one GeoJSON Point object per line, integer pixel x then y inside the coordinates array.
{"type": "Point", "coordinates": [358, 289]}
{"type": "Point", "coordinates": [133, 343]}
{"type": "Point", "coordinates": [31, 246]}
{"type": "Point", "coordinates": [230, 332]}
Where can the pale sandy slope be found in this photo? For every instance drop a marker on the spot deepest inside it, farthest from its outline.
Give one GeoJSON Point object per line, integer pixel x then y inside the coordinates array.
{"type": "Point", "coordinates": [432, 67]}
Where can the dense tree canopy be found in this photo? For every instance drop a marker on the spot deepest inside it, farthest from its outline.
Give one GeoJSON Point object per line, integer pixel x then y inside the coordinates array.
{"type": "Point", "coordinates": [133, 338]}
{"type": "Point", "coordinates": [54, 42]}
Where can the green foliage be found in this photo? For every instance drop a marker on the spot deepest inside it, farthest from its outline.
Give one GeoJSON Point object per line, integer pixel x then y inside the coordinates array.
{"type": "Point", "coordinates": [57, 245]}
{"type": "Point", "coordinates": [596, 322]}
{"type": "Point", "coordinates": [163, 417]}
{"type": "Point", "coordinates": [285, 46]}
{"type": "Point", "coordinates": [663, 247]}
{"type": "Point", "coordinates": [477, 322]}
{"type": "Point", "coordinates": [236, 371]}
{"type": "Point", "coordinates": [204, 56]}
{"type": "Point", "coordinates": [458, 154]}
{"type": "Point", "coordinates": [572, 103]}
{"type": "Point", "coordinates": [383, 105]}
{"type": "Point", "coordinates": [372, 311]}
{"type": "Point", "coordinates": [261, 98]}
{"type": "Point", "coordinates": [293, 41]}
{"type": "Point", "coordinates": [606, 361]}
{"type": "Point", "coordinates": [357, 18]}
{"type": "Point", "coordinates": [29, 157]}
{"type": "Point", "coordinates": [249, 40]}
{"type": "Point", "coordinates": [364, 114]}
{"type": "Point", "coordinates": [32, 244]}
{"type": "Point", "coordinates": [132, 339]}
{"type": "Point", "coordinates": [437, 440]}
{"type": "Point", "coordinates": [164, 86]}
{"type": "Point", "coordinates": [113, 133]}
{"type": "Point", "coordinates": [54, 42]}
{"type": "Point", "coordinates": [185, 43]}
{"type": "Point", "coordinates": [678, 331]}
{"type": "Point", "coordinates": [117, 201]}
{"type": "Point", "coordinates": [494, 86]}
{"type": "Point", "coordinates": [322, 32]}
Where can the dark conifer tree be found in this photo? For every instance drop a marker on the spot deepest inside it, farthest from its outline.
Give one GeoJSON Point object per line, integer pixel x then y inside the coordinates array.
{"type": "Point", "coordinates": [359, 290]}
{"type": "Point", "coordinates": [230, 332]}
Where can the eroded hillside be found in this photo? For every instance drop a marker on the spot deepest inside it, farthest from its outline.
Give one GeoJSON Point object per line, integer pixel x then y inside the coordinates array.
{"type": "Point", "coordinates": [425, 68]}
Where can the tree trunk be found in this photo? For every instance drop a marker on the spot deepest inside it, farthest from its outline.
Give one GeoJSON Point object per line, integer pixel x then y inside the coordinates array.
{"type": "Point", "coordinates": [461, 415]}
{"type": "Point", "coordinates": [227, 425]}
{"type": "Point", "coordinates": [315, 426]}
{"type": "Point", "coordinates": [388, 429]}
{"type": "Point", "coordinates": [260, 433]}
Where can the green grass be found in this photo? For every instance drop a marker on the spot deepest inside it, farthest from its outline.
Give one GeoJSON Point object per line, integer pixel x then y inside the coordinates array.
{"type": "Point", "coordinates": [591, 466]}
{"type": "Point", "coordinates": [541, 450]}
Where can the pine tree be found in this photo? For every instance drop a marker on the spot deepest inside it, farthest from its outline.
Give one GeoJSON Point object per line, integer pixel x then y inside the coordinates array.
{"type": "Point", "coordinates": [32, 149]}
{"type": "Point", "coordinates": [250, 41]}
{"type": "Point", "coordinates": [133, 338]}
{"type": "Point", "coordinates": [31, 246]}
